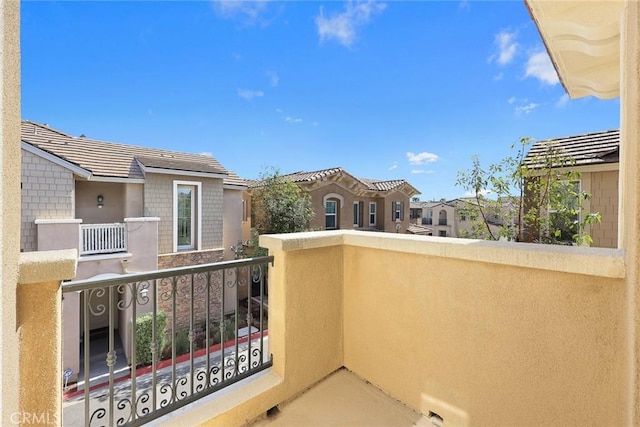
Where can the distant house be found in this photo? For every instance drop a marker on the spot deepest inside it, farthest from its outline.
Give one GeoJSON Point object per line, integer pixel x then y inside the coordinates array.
{"type": "Point", "coordinates": [125, 209]}
{"type": "Point", "coordinates": [596, 157]}
{"type": "Point", "coordinates": [342, 201]}
{"type": "Point", "coordinates": [439, 216]}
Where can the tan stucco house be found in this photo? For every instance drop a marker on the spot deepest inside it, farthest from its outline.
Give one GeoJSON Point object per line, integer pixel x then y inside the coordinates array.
{"type": "Point", "coordinates": [342, 201]}
{"type": "Point", "coordinates": [125, 209]}
{"type": "Point", "coordinates": [596, 157]}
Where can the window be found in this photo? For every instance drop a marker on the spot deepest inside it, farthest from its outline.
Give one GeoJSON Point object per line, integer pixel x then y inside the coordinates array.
{"type": "Point", "coordinates": [397, 211]}
{"type": "Point", "coordinates": [442, 217]}
{"type": "Point", "coordinates": [357, 213]}
{"type": "Point", "coordinates": [186, 215]}
{"type": "Point", "coordinates": [463, 217]}
{"type": "Point", "coordinates": [442, 233]}
{"type": "Point", "coordinates": [429, 217]}
{"type": "Point", "coordinates": [331, 215]}
{"type": "Point", "coordinates": [372, 213]}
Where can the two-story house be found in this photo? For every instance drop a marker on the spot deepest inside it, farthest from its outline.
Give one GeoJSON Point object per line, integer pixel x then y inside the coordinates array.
{"type": "Point", "coordinates": [125, 209]}
{"type": "Point", "coordinates": [342, 201]}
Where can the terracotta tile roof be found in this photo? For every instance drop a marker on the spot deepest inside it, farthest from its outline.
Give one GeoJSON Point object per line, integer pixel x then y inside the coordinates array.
{"type": "Point", "coordinates": [115, 160]}
{"type": "Point", "coordinates": [585, 149]}
{"type": "Point", "coordinates": [311, 176]}
{"type": "Point", "coordinates": [377, 185]}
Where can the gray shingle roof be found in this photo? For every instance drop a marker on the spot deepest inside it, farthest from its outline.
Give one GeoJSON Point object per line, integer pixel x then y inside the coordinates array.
{"type": "Point", "coordinates": [585, 149]}
{"type": "Point", "coordinates": [115, 160]}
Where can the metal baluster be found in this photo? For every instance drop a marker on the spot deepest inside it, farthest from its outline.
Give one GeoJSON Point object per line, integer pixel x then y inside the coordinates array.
{"type": "Point", "coordinates": [154, 347]}
{"type": "Point", "coordinates": [87, 402]}
{"type": "Point", "coordinates": [134, 307]}
{"type": "Point", "coordinates": [174, 325]}
{"type": "Point", "coordinates": [260, 280]}
{"type": "Point", "coordinates": [191, 334]}
{"type": "Point", "coordinates": [237, 360]}
{"type": "Point", "coordinates": [222, 324]}
{"type": "Point", "coordinates": [249, 316]}
{"type": "Point", "coordinates": [207, 332]}
{"type": "Point", "coordinates": [111, 356]}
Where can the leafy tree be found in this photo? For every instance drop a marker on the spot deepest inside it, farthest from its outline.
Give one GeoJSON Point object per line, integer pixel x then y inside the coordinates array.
{"type": "Point", "coordinates": [279, 206]}
{"type": "Point", "coordinates": [534, 202]}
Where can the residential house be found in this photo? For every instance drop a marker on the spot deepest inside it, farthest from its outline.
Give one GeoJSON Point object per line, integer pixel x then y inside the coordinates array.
{"type": "Point", "coordinates": [342, 201]}
{"type": "Point", "coordinates": [440, 216]}
{"type": "Point", "coordinates": [125, 209]}
{"type": "Point", "coordinates": [596, 157]}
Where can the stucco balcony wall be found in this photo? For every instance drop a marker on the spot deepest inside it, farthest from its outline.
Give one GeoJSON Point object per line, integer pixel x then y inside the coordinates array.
{"type": "Point", "coordinates": [477, 332]}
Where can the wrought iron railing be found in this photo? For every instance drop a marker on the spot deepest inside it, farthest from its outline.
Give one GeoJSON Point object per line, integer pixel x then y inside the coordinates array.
{"type": "Point", "coordinates": [102, 238]}
{"type": "Point", "coordinates": [216, 314]}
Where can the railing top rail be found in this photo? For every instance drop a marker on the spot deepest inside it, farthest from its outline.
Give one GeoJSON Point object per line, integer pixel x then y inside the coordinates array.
{"type": "Point", "coordinates": [79, 285]}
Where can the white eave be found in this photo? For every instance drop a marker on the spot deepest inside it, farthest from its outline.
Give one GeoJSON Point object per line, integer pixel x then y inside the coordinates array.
{"type": "Point", "coordinates": [164, 171]}
{"type": "Point", "coordinates": [583, 41]}
{"type": "Point", "coordinates": [75, 169]}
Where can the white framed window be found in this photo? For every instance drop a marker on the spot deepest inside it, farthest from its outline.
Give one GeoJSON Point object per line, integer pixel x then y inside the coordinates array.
{"type": "Point", "coordinates": [331, 214]}
{"type": "Point", "coordinates": [187, 215]}
{"type": "Point", "coordinates": [372, 213]}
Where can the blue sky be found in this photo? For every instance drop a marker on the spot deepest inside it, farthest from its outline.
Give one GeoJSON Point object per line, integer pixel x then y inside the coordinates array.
{"type": "Point", "coordinates": [387, 90]}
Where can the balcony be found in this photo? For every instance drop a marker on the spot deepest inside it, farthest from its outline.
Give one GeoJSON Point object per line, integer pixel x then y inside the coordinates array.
{"type": "Point", "coordinates": [102, 239]}
{"type": "Point", "coordinates": [468, 332]}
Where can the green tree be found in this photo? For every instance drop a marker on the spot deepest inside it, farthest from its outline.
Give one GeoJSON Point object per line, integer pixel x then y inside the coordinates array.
{"type": "Point", "coordinates": [537, 201]}
{"type": "Point", "coordinates": [279, 206]}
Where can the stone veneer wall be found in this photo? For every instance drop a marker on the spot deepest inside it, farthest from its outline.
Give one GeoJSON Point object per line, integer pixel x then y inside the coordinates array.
{"type": "Point", "coordinates": [158, 202]}
{"type": "Point", "coordinates": [184, 297]}
{"type": "Point", "coordinates": [47, 193]}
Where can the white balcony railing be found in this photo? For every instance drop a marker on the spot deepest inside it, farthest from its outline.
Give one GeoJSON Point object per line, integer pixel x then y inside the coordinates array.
{"type": "Point", "coordinates": [102, 238]}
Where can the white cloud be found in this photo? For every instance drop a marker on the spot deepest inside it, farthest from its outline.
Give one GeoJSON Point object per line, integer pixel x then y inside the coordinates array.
{"type": "Point", "coordinates": [394, 166]}
{"type": "Point", "coordinates": [421, 158]}
{"type": "Point", "coordinates": [539, 66]}
{"type": "Point", "coordinates": [249, 11]}
{"type": "Point", "coordinates": [206, 153]}
{"type": "Point", "coordinates": [293, 120]}
{"type": "Point", "coordinates": [273, 78]}
{"type": "Point", "coordinates": [278, 110]}
{"type": "Point", "coordinates": [498, 76]}
{"type": "Point", "coordinates": [507, 46]}
{"type": "Point", "coordinates": [315, 124]}
{"type": "Point", "coordinates": [419, 171]}
{"type": "Point", "coordinates": [250, 94]}
{"type": "Point", "coordinates": [526, 109]}
{"type": "Point", "coordinates": [562, 101]}
{"type": "Point", "coordinates": [511, 100]}
{"type": "Point", "coordinates": [342, 27]}
{"type": "Point", "coordinates": [464, 5]}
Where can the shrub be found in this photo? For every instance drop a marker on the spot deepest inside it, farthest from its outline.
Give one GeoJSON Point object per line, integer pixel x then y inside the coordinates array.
{"type": "Point", "coordinates": [182, 342]}
{"type": "Point", "coordinates": [144, 333]}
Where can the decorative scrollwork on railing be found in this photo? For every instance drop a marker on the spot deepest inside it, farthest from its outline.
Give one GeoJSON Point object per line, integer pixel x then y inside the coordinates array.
{"type": "Point", "coordinates": [141, 408]}
{"type": "Point", "coordinates": [242, 363]}
{"type": "Point", "coordinates": [99, 414]}
{"type": "Point", "coordinates": [182, 394]}
{"type": "Point", "coordinates": [243, 276]}
{"type": "Point", "coordinates": [200, 282]}
{"type": "Point", "coordinates": [213, 375]}
{"type": "Point", "coordinates": [256, 273]}
{"type": "Point", "coordinates": [124, 301]}
{"type": "Point", "coordinates": [122, 405]}
{"type": "Point", "coordinates": [231, 368]}
{"type": "Point", "coordinates": [230, 277]}
{"type": "Point", "coordinates": [168, 286]}
{"type": "Point", "coordinates": [256, 357]}
{"type": "Point", "coordinates": [183, 284]}
{"type": "Point", "coordinates": [201, 380]}
{"type": "Point", "coordinates": [165, 389]}
{"type": "Point", "coordinates": [100, 308]}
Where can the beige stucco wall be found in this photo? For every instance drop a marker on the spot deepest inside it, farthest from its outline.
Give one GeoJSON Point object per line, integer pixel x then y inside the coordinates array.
{"type": "Point", "coordinates": [231, 221]}
{"type": "Point", "coordinates": [57, 234]}
{"type": "Point", "coordinates": [389, 224]}
{"type": "Point", "coordinates": [87, 193]}
{"type": "Point", "coordinates": [246, 218]}
{"type": "Point", "coordinates": [491, 347]}
{"type": "Point", "coordinates": [47, 193]}
{"type": "Point", "coordinates": [604, 199]}
{"type": "Point", "coordinates": [9, 205]}
{"type": "Point", "coordinates": [158, 202]}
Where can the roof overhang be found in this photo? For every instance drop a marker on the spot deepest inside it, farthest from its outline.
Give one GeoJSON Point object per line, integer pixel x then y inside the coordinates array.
{"type": "Point", "coordinates": [75, 169]}
{"type": "Point", "coordinates": [165, 171]}
{"type": "Point", "coordinates": [583, 41]}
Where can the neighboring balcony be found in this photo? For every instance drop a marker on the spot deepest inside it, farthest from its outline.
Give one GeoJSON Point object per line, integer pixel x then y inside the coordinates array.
{"type": "Point", "coordinates": [453, 331]}
{"type": "Point", "coordinates": [103, 248]}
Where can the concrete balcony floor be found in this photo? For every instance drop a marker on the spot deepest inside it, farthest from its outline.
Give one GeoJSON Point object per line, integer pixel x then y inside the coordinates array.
{"type": "Point", "coordinates": [343, 399]}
